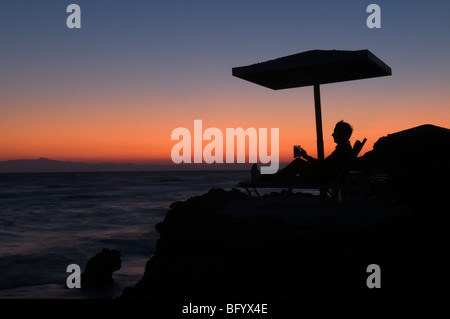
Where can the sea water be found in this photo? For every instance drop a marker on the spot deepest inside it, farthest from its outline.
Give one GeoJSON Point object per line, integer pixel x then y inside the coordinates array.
{"type": "Point", "coordinates": [51, 220]}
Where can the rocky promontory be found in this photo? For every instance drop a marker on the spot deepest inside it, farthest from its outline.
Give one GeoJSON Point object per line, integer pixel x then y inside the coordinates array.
{"type": "Point", "coordinates": [227, 245]}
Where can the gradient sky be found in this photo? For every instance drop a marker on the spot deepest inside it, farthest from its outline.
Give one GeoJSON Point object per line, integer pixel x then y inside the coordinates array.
{"type": "Point", "coordinates": [116, 88]}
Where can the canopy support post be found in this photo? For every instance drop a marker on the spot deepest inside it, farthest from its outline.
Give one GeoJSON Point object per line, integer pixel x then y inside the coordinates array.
{"type": "Point", "coordinates": [319, 131]}
{"type": "Point", "coordinates": [320, 152]}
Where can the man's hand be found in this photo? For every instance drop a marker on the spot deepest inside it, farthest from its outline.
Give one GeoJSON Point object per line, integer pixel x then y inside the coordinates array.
{"type": "Point", "coordinates": [303, 153]}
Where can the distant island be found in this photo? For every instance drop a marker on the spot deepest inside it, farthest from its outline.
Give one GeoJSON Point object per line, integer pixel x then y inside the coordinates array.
{"type": "Point", "coordinates": [44, 165]}
{"type": "Point", "coordinates": [404, 155]}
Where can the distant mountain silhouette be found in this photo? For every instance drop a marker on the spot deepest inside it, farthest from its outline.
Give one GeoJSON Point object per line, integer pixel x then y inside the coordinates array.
{"type": "Point", "coordinates": [415, 159]}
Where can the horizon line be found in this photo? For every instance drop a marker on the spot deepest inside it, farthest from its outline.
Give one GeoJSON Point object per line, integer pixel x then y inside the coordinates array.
{"type": "Point", "coordinates": [45, 165]}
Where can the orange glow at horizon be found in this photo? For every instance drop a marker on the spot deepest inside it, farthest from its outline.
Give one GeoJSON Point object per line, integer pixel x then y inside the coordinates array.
{"type": "Point", "coordinates": [139, 129]}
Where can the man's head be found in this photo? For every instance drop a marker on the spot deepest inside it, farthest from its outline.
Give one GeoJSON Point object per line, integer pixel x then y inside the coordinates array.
{"type": "Point", "coordinates": [342, 132]}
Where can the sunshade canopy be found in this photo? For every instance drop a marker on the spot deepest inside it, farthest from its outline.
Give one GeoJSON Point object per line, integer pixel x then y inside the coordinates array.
{"type": "Point", "coordinates": [314, 67]}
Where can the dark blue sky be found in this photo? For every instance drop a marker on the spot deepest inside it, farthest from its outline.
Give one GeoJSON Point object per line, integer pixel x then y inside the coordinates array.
{"type": "Point", "coordinates": [157, 59]}
{"type": "Point", "coordinates": [162, 38]}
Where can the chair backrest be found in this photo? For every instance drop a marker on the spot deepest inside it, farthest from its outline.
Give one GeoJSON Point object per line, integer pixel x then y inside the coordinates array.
{"type": "Point", "coordinates": [357, 147]}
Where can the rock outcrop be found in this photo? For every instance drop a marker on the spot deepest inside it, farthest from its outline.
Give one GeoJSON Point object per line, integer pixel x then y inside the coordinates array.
{"type": "Point", "coordinates": [224, 245]}
{"type": "Point", "coordinates": [204, 252]}
{"type": "Point", "coordinates": [416, 162]}
{"type": "Point", "coordinates": [99, 269]}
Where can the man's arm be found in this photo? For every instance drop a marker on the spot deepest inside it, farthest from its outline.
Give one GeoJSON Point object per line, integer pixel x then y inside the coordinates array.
{"type": "Point", "coordinates": [307, 157]}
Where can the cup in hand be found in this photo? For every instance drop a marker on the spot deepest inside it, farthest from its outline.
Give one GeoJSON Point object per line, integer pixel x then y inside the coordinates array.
{"type": "Point", "coordinates": [297, 151]}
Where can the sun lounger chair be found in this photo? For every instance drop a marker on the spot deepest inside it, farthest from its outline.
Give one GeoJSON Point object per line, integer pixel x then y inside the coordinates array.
{"type": "Point", "coordinates": [347, 181]}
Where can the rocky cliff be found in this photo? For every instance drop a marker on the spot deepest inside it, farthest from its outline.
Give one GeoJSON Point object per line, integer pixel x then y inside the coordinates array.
{"type": "Point", "coordinates": [226, 245]}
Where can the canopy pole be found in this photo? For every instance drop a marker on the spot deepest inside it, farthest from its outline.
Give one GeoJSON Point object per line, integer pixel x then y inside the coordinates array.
{"type": "Point", "coordinates": [320, 152]}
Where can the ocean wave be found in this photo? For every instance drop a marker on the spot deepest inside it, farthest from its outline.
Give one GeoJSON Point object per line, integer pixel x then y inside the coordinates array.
{"type": "Point", "coordinates": [51, 220]}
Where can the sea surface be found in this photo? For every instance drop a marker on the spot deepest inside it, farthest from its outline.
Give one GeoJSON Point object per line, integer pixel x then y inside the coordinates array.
{"type": "Point", "coordinates": [51, 220]}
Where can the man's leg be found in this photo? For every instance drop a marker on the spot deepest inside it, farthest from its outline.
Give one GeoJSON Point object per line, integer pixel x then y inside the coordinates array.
{"type": "Point", "coordinates": [294, 168]}
{"type": "Point", "coordinates": [298, 169]}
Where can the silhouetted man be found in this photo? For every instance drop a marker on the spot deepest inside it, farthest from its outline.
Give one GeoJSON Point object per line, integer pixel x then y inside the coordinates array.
{"type": "Point", "coordinates": [309, 168]}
